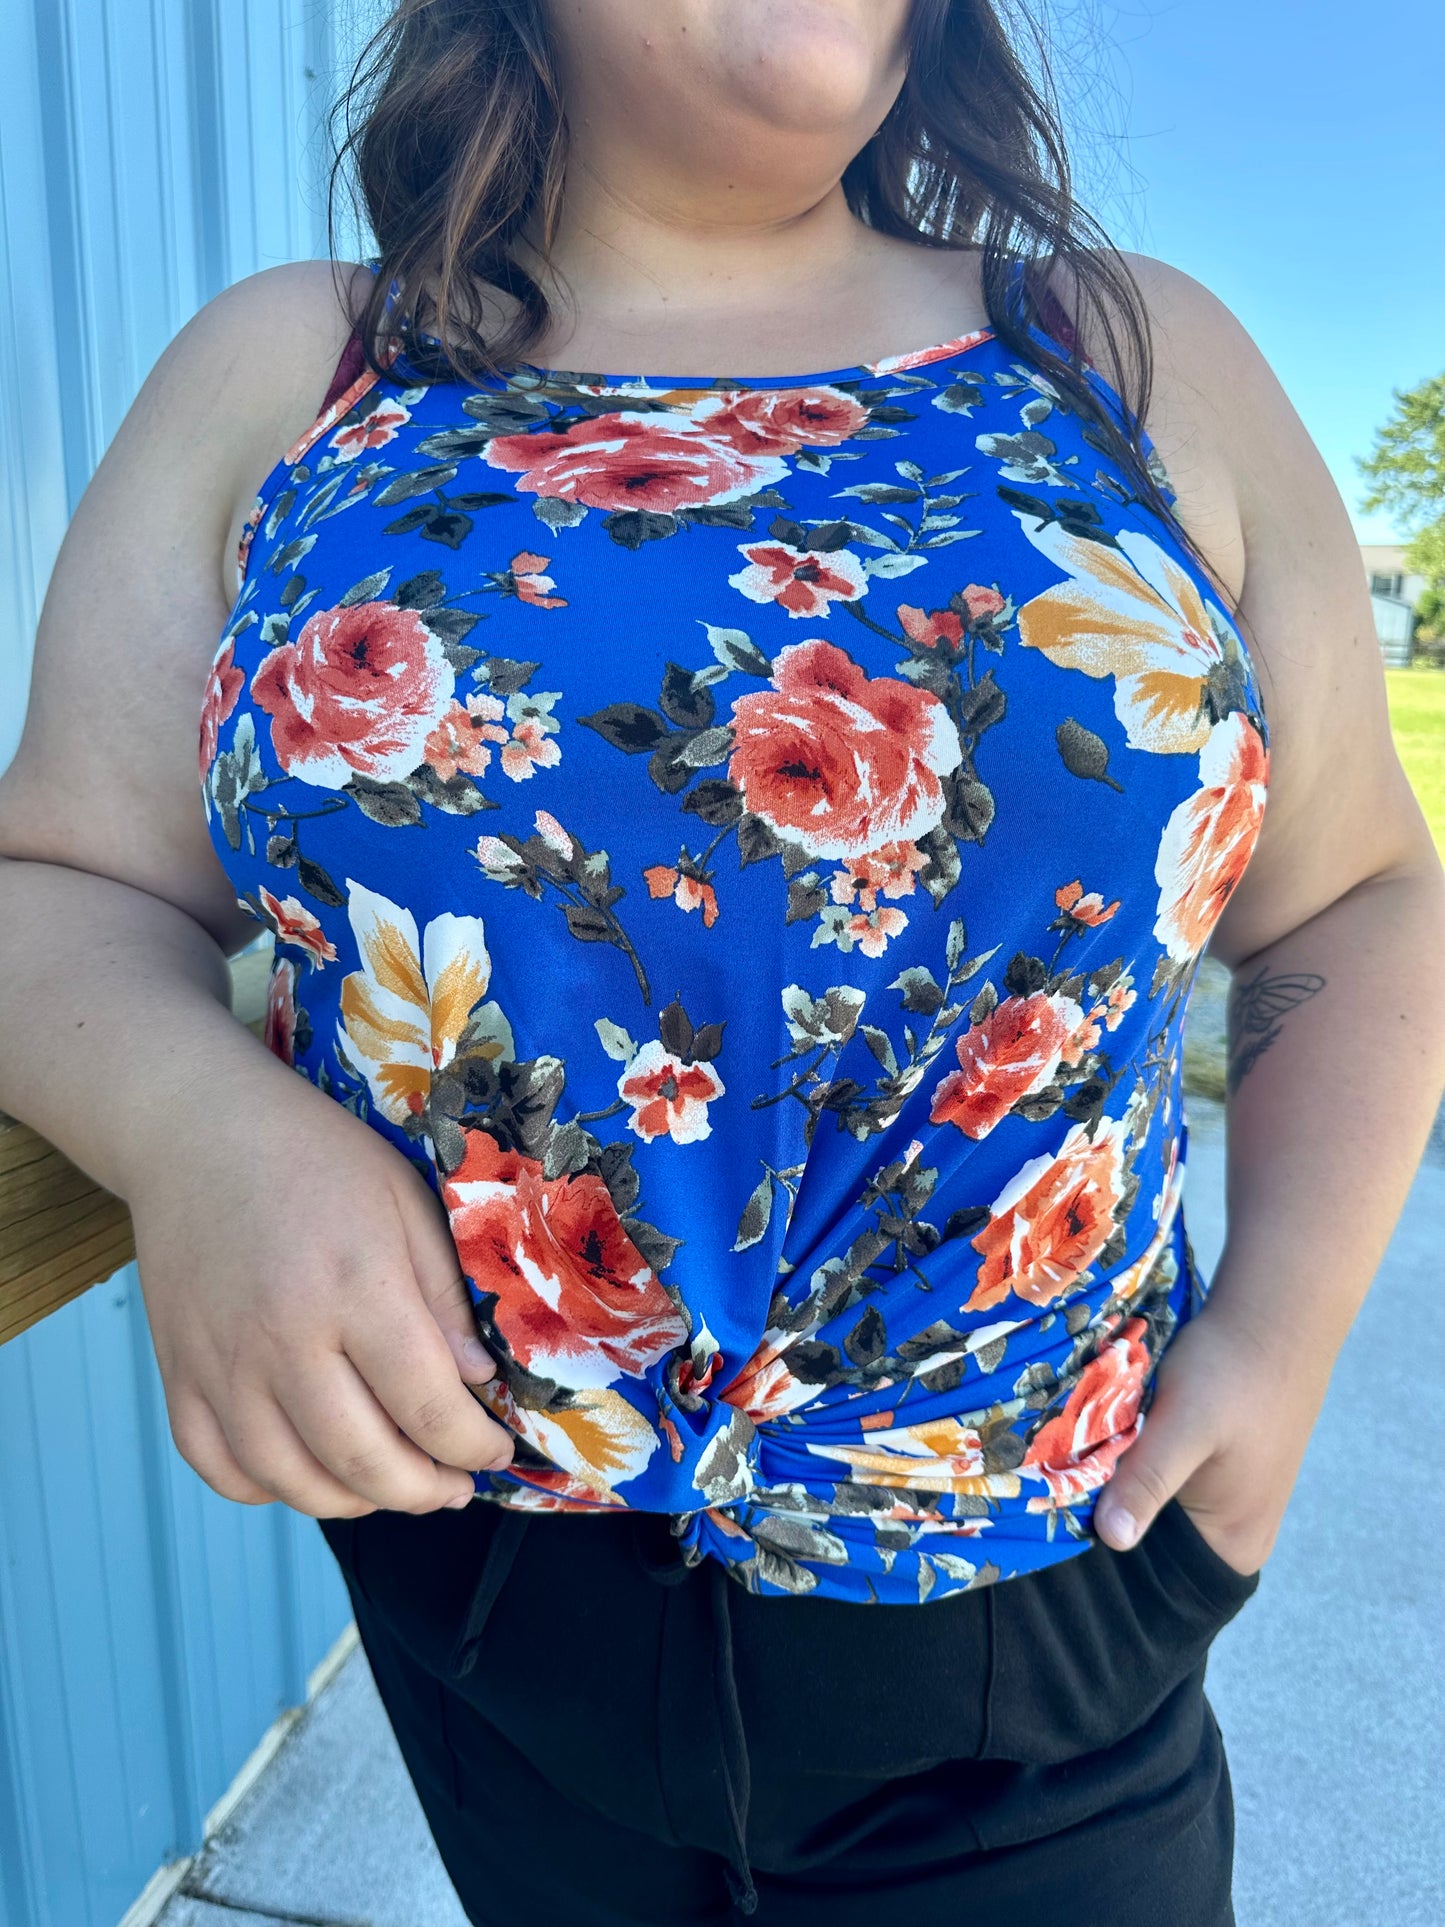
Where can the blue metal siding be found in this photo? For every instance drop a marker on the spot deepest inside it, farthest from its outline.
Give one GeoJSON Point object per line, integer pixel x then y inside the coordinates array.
{"type": "Point", "coordinates": [150, 1630]}
{"type": "Point", "coordinates": [151, 152]}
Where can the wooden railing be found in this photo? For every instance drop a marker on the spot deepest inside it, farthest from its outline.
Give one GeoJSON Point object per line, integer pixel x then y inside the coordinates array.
{"type": "Point", "coordinates": [60, 1233]}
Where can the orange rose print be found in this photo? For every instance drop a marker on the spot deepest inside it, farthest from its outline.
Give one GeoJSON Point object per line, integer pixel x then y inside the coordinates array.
{"type": "Point", "coordinates": [1210, 838]}
{"type": "Point", "coordinates": [765, 1388]}
{"type": "Point", "coordinates": [294, 923]}
{"type": "Point", "coordinates": [668, 1097]}
{"type": "Point", "coordinates": [358, 692]}
{"type": "Point", "coordinates": [576, 1301]}
{"type": "Point", "coordinates": [371, 431]}
{"type": "Point", "coordinates": [802, 581]}
{"type": "Point", "coordinates": [1051, 1222]}
{"type": "Point", "coordinates": [629, 461]}
{"type": "Point", "coordinates": [223, 686]}
{"type": "Point", "coordinates": [779, 421]}
{"type": "Point", "coordinates": [279, 1031]}
{"type": "Point", "coordinates": [1010, 1055]}
{"type": "Point", "coordinates": [1074, 1452]}
{"type": "Point", "coordinates": [839, 761]}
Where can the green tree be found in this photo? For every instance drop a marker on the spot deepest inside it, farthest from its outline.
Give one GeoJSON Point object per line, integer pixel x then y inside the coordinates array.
{"type": "Point", "coordinates": [1406, 471]}
{"type": "Point", "coordinates": [1430, 616]}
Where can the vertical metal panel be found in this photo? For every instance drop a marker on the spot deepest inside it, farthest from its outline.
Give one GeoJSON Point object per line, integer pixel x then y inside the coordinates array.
{"type": "Point", "coordinates": [150, 1631]}
{"type": "Point", "coordinates": [151, 152]}
{"type": "Point", "coordinates": [35, 497]}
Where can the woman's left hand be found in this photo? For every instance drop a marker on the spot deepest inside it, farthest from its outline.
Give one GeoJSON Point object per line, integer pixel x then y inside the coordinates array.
{"type": "Point", "coordinates": [1231, 1416]}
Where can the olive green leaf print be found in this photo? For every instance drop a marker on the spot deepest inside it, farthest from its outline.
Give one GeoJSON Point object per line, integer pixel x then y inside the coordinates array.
{"type": "Point", "coordinates": [580, 879]}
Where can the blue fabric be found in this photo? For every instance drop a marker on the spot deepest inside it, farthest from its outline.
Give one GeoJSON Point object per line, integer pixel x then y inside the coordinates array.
{"type": "Point", "coordinates": [749, 841]}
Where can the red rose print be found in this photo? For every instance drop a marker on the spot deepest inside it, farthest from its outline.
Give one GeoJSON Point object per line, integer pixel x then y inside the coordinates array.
{"type": "Point", "coordinates": [1010, 1055]}
{"type": "Point", "coordinates": [765, 1388]}
{"type": "Point", "coordinates": [279, 1030]}
{"type": "Point", "coordinates": [1052, 1220]}
{"type": "Point", "coordinates": [358, 692]}
{"type": "Point", "coordinates": [838, 761]}
{"type": "Point", "coordinates": [576, 1301]}
{"type": "Point", "coordinates": [1076, 1450]}
{"type": "Point", "coordinates": [982, 602]}
{"type": "Point", "coordinates": [1090, 909]}
{"type": "Point", "coordinates": [783, 420]}
{"type": "Point", "coordinates": [891, 869]}
{"type": "Point", "coordinates": [686, 892]}
{"type": "Point", "coordinates": [1121, 997]}
{"type": "Point", "coordinates": [628, 461]}
{"type": "Point", "coordinates": [530, 584]}
{"type": "Point", "coordinates": [871, 929]}
{"type": "Point", "coordinates": [920, 357]}
{"type": "Point", "coordinates": [530, 749]}
{"type": "Point", "coordinates": [223, 686]}
{"type": "Point", "coordinates": [1085, 1038]}
{"type": "Point", "coordinates": [929, 628]}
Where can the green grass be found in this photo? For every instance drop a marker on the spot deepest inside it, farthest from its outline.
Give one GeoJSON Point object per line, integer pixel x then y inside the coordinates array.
{"type": "Point", "coordinates": [1417, 716]}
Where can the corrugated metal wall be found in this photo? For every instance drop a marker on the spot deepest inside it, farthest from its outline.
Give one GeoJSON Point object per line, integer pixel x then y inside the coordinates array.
{"type": "Point", "coordinates": [151, 152]}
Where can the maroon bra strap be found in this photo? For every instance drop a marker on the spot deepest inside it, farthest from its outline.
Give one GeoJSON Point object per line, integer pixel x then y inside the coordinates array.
{"type": "Point", "coordinates": [1056, 319]}
{"type": "Point", "coordinates": [347, 370]}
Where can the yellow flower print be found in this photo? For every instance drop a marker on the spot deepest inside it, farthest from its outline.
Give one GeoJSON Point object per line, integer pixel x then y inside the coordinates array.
{"type": "Point", "coordinates": [597, 1440]}
{"type": "Point", "coordinates": [942, 1455]}
{"type": "Point", "coordinates": [404, 1011]}
{"type": "Point", "coordinates": [1131, 613]}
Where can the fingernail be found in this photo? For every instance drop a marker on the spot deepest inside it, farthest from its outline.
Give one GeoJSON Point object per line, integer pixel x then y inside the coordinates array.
{"type": "Point", "coordinates": [477, 1358]}
{"type": "Point", "coordinates": [464, 1498]}
{"type": "Point", "coordinates": [1123, 1528]}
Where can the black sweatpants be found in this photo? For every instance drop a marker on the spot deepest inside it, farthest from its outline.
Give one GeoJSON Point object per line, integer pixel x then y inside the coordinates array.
{"type": "Point", "coordinates": [602, 1737]}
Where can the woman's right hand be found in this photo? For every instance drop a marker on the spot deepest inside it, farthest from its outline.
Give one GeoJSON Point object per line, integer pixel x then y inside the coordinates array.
{"type": "Point", "coordinates": [308, 1312]}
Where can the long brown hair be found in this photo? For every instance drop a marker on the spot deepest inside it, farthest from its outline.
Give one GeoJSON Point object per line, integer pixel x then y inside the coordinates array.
{"type": "Point", "coordinates": [455, 119]}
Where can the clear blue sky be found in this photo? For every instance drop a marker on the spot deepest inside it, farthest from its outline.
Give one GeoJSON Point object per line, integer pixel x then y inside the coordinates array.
{"type": "Point", "coordinates": [1290, 154]}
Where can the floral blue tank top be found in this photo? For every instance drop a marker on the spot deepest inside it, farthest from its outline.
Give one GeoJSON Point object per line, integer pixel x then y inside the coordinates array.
{"type": "Point", "coordinates": [749, 841]}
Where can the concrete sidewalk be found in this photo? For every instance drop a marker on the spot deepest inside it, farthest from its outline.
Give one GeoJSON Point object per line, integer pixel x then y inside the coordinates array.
{"type": "Point", "coordinates": [1330, 1686]}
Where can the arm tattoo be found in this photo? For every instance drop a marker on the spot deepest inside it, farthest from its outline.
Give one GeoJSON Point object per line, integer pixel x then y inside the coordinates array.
{"type": "Point", "coordinates": [1256, 1010]}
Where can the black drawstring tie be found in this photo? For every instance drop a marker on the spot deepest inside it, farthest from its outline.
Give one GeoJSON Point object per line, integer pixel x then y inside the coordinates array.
{"type": "Point", "coordinates": [733, 1754]}
{"type": "Point", "coordinates": [511, 1524]}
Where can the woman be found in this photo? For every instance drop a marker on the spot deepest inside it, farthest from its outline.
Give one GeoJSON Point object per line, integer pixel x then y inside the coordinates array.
{"type": "Point", "coordinates": [738, 845]}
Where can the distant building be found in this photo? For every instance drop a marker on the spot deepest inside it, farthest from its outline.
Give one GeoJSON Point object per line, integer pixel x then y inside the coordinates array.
{"type": "Point", "coordinates": [1395, 596]}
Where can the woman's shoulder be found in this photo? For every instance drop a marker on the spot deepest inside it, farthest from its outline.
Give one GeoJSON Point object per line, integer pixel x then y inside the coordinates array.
{"type": "Point", "coordinates": [1257, 493]}
{"type": "Point", "coordinates": [1200, 355]}
{"type": "Point", "coordinates": [1249, 477]}
{"type": "Point", "coordinates": [260, 344]}
{"type": "Point", "coordinates": [273, 341]}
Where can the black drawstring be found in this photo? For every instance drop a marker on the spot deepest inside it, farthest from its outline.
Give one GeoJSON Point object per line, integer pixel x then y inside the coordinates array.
{"type": "Point", "coordinates": [733, 1753]}
{"type": "Point", "coordinates": [510, 1526]}
{"type": "Point", "coordinates": [990, 1668]}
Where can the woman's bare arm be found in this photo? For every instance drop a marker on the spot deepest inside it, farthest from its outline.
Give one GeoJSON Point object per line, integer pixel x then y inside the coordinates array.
{"type": "Point", "coordinates": [309, 1333]}
{"type": "Point", "coordinates": [1335, 937]}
